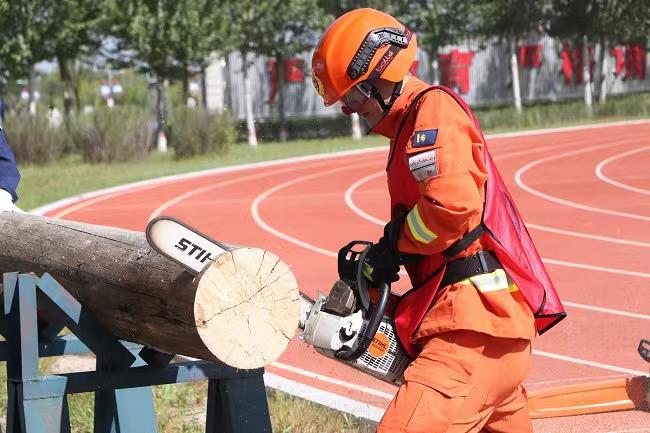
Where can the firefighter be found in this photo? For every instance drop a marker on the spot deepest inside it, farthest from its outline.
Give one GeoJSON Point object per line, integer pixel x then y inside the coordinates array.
{"type": "Point", "coordinates": [472, 347]}
{"type": "Point", "coordinates": [9, 177]}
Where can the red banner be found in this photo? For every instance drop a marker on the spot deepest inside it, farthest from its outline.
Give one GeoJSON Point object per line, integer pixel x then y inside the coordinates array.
{"type": "Point", "coordinates": [454, 70]}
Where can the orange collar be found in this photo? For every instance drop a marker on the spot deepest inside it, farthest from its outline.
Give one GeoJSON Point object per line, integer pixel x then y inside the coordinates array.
{"type": "Point", "coordinates": [389, 124]}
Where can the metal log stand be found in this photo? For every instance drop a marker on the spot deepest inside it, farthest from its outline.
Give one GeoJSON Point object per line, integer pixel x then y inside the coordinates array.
{"type": "Point", "coordinates": [124, 371]}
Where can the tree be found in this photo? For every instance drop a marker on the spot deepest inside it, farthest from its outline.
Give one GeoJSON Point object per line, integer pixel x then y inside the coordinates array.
{"type": "Point", "coordinates": [510, 20]}
{"type": "Point", "coordinates": [438, 23]}
{"type": "Point", "coordinates": [165, 38]}
{"type": "Point", "coordinates": [22, 36]}
{"type": "Point", "coordinates": [620, 22]}
{"type": "Point", "coordinates": [33, 30]}
{"type": "Point", "coordinates": [73, 33]}
{"type": "Point", "coordinates": [278, 29]}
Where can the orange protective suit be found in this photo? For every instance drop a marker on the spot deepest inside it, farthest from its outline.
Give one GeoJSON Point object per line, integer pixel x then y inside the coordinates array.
{"type": "Point", "coordinates": [475, 339]}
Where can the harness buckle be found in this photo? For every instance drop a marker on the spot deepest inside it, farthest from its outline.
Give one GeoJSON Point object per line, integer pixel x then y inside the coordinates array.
{"type": "Point", "coordinates": [481, 258]}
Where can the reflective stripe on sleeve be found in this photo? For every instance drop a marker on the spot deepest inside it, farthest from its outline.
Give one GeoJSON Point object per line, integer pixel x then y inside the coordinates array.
{"type": "Point", "coordinates": [417, 227]}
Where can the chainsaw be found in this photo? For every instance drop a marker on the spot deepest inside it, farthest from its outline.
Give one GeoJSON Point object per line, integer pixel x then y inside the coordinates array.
{"type": "Point", "coordinates": [353, 324]}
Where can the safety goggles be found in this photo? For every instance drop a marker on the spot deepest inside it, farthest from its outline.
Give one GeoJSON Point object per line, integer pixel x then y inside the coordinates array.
{"type": "Point", "coordinates": [357, 96]}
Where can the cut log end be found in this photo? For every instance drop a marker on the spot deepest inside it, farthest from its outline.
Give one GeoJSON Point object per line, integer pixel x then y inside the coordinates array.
{"type": "Point", "coordinates": [249, 324]}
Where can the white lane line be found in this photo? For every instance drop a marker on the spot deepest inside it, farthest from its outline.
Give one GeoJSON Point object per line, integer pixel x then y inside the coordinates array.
{"type": "Point", "coordinates": [595, 268]}
{"type": "Point", "coordinates": [356, 209]}
{"type": "Point", "coordinates": [328, 399]}
{"type": "Point", "coordinates": [323, 378]}
{"type": "Point", "coordinates": [166, 205]}
{"type": "Point", "coordinates": [569, 203]}
{"type": "Point", "coordinates": [634, 430]}
{"type": "Point", "coordinates": [603, 163]}
{"type": "Point", "coordinates": [606, 310]}
{"type": "Point", "coordinates": [569, 128]}
{"type": "Point", "coordinates": [589, 363]}
{"type": "Point", "coordinates": [260, 221]}
{"type": "Point", "coordinates": [588, 236]}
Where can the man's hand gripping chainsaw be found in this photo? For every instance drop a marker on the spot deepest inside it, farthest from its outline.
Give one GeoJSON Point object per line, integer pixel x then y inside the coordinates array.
{"type": "Point", "coordinates": [353, 324]}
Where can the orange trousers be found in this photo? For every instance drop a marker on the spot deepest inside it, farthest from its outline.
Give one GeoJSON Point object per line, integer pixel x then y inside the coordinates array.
{"type": "Point", "coordinates": [463, 382]}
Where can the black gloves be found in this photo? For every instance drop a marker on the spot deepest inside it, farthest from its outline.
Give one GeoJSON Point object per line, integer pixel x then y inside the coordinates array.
{"type": "Point", "coordinates": [383, 259]}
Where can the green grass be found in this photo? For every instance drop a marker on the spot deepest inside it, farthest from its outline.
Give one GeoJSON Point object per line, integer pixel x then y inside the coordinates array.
{"type": "Point", "coordinates": [567, 113]}
{"type": "Point", "coordinates": [47, 183]}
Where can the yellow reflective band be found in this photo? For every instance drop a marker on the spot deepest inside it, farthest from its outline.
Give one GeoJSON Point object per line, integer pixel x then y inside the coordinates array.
{"type": "Point", "coordinates": [491, 282]}
{"type": "Point", "coordinates": [513, 287]}
{"type": "Point", "coordinates": [418, 229]}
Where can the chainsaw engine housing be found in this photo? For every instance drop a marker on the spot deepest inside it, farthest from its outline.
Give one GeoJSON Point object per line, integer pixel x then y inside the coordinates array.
{"type": "Point", "coordinates": [332, 323]}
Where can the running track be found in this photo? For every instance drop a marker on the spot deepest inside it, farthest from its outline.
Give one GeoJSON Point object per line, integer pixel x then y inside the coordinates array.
{"type": "Point", "coordinates": [584, 193]}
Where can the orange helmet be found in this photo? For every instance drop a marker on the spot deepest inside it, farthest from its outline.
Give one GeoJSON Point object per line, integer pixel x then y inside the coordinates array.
{"type": "Point", "coordinates": [361, 46]}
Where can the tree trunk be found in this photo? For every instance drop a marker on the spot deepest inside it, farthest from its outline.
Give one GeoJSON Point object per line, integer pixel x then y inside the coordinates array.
{"type": "Point", "coordinates": [279, 63]}
{"type": "Point", "coordinates": [586, 76]}
{"type": "Point", "coordinates": [356, 126]}
{"type": "Point", "coordinates": [242, 310]}
{"type": "Point", "coordinates": [161, 114]}
{"type": "Point", "coordinates": [435, 68]}
{"type": "Point", "coordinates": [602, 96]}
{"type": "Point", "coordinates": [248, 101]}
{"type": "Point", "coordinates": [66, 78]}
{"type": "Point", "coordinates": [204, 90]}
{"type": "Point", "coordinates": [514, 70]}
{"type": "Point", "coordinates": [31, 103]}
{"type": "Point", "coordinates": [185, 86]}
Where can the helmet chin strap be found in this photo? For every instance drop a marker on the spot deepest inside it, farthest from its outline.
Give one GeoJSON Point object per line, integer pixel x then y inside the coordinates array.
{"type": "Point", "coordinates": [385, 107]}
{"type": "Point", "coordinates": [397, 89]}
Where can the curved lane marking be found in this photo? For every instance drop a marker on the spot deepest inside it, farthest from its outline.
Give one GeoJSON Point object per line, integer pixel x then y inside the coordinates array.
{"type": "Point", "coordinates": [589, 363]}
{"type": "Point", "coordinates": [569, 203]}
{"type": "Point", "coordinates": [164, 206]}
{"type": "Point", "coordinates": [89, 198]}
{"type": "Point", "coordinates": [603, 163]}
{"type": "Point", "coordinates": [255, 205]}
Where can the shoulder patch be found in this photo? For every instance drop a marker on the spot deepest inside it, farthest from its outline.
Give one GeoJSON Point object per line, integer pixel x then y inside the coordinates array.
{"type": "Point", "coordinates": [424, 138]}
{"type": "Point", "coordinates": [424, 165]}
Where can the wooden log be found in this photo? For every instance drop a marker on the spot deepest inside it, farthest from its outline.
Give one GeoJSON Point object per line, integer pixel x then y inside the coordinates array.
{"type": "Point", "coordinates": [242, 310]}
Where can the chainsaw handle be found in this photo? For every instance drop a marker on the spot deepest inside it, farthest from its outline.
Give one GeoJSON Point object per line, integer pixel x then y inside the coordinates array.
{"type": "Point", "coordinates": [373, 325]}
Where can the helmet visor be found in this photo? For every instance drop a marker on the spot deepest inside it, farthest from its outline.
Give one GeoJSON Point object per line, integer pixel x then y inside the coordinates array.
{"type": "Point", "coordinates": [355, 98]}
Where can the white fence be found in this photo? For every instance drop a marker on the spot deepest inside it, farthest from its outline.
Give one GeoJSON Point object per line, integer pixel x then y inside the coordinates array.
{"type": "Point", "coordinates": [489, 80]}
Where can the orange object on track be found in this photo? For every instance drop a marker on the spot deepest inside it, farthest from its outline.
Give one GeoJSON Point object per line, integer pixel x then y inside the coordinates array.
{"type": "Point", "coordinates": [589, 398]}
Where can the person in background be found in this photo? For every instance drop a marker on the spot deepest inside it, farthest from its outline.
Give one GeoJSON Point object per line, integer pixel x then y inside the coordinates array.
{"type": "Point", "coordinates": [9, 177]}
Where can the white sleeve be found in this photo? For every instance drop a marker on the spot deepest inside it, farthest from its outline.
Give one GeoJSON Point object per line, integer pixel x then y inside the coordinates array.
{"type": "Point", "coordinates": [6, 202]}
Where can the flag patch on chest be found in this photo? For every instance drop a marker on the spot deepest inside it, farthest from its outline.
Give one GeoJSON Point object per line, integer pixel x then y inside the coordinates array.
{"type": "Point", "coordinates": [424, 165]}
{"type": "Point", "coordinates": [425, 138]}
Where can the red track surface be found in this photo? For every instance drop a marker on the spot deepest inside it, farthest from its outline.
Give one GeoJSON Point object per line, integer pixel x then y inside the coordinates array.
{"type": "Point", "coordinates": [585, 195]}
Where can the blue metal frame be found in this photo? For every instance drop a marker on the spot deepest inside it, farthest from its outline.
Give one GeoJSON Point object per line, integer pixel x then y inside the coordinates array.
{"type": "Point", "coordinates": [124, 372]}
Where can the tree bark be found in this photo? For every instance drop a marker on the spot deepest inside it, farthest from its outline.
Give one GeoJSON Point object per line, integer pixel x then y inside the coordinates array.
{"type": "Point", "coordinates": [586, 76]}
{"type": "Point", "coordinates": [514, 69]}
{"type": "Point", "coordinates": [204, 90]}
{"type": "Point", "coordinates": [602, 96]}
{"type": "Point", "coordinates": [248, 102]}
{"type": "Point", "coordinates": [279, 63]}
{"type": "Point", "coordinates": [242, 310]}
{"type": "Point", "coordinates": [66, 78]}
